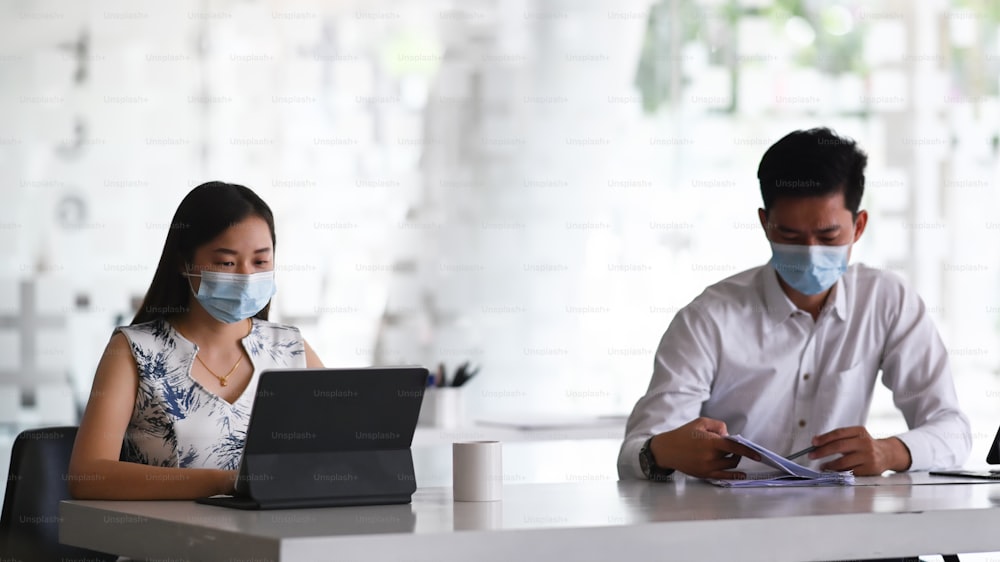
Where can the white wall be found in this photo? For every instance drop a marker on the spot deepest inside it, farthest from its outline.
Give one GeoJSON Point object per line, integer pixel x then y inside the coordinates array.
{"type": "Point", "coordinates": [476, 180]}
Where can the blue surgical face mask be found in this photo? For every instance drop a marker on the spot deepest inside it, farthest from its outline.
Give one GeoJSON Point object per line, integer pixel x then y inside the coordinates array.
{"type": "Point", "coordinates": [231, 297]}
{"type": "Point", "coordinates": [809, 270]}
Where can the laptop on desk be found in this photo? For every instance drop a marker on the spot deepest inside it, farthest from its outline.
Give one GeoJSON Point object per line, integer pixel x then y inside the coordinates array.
{"type": "Point", "coordinates": [992, 458]}
{"type": "Point", "coordinates": [329, 437]}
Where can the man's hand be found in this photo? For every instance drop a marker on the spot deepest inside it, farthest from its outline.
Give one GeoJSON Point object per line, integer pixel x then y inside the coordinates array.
{"type": "Point", "coordinates": [861, 452]}
{"type": "Point", "coordinates": [699, 448]}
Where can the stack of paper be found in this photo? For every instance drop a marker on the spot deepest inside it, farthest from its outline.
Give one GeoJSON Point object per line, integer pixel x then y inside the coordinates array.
{"type": "Point", "coordinates": [789, 473]}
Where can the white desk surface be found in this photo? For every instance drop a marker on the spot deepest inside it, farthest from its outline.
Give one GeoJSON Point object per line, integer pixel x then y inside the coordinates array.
{"type": "Point", "coordinates": [574, 429]}
{"type": "Point", "coordinates": [589, 518]}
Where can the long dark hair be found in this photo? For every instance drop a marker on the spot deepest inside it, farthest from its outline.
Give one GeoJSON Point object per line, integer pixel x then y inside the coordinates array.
{"type": "Point", "coordinates": [203, 214]}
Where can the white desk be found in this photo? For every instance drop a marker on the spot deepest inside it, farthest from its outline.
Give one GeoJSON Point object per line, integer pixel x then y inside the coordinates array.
{"type": "Point", "coordinates": [589, 518]}
{"type": "Point", "coordinates": [530, 462]}
{"type": "Point", "coordinates": [472, 430]}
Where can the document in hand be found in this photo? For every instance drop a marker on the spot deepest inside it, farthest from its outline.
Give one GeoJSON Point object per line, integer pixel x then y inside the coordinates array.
{"type": "Point", "coordinates": [789, 473]}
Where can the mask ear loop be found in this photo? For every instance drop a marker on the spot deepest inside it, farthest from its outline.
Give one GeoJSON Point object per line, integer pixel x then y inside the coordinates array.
{"type": "Point", "coordinates": [188, 275]}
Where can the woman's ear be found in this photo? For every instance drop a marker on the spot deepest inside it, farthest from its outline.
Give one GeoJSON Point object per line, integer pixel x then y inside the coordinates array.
{"type": "Point", "coordinates": [184, 267]}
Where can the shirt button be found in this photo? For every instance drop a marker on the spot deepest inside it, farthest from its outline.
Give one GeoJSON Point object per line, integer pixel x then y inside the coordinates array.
{"type": "Point", "coordinates": [805, 377]}
{"type": "Point", "coordinates": [802, 423]}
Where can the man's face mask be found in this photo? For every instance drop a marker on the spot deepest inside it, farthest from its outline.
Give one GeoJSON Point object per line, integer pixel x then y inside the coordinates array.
{"type": "Point", "coordinates": [809, 270]}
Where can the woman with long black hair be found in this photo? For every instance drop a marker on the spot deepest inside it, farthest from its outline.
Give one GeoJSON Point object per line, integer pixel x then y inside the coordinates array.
{"type": "Point", "coordinates": [171, 398]}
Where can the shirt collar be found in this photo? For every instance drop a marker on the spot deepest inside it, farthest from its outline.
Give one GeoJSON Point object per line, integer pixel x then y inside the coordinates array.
{"type": "Point", "coordinates": [778, 307]}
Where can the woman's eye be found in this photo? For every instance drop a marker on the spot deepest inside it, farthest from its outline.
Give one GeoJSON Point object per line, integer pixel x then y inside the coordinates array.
{"type": "Point", "coordinates": [226, 264]}
{"type": "Point", "coordinates": [828, 240]}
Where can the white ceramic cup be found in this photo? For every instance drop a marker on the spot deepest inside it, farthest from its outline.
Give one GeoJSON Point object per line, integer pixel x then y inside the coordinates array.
{"type": "Point", "coordinates": [477, 471]}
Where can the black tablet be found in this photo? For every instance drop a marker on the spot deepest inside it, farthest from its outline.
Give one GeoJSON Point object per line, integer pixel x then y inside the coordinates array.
{"type": "Point", "coordinates": [329, 437]}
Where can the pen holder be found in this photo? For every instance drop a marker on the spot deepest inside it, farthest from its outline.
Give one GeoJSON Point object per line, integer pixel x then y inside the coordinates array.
{"type": "Point", "coordinates": [442, 407]}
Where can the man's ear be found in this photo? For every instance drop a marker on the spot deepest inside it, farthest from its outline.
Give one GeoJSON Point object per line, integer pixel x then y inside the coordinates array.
{"type": "Point", "coordinates": [860, 222]}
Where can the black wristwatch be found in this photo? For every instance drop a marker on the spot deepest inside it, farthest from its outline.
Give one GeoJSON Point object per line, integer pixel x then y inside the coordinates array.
{"type": "Point", "coordinates": [650, 469]}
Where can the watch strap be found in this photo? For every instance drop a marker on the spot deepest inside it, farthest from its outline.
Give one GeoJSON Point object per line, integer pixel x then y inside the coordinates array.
{"type": "Point", "coordinates": [654, 472]}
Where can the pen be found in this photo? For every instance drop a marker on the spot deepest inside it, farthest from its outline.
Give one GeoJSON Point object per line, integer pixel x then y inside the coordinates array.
{"type": "Point", "coordinates": [470, 373]}
{"type": "Point", "coordinates": [464, 373]}
{"type": "Point", "coordinates": [805, 451]}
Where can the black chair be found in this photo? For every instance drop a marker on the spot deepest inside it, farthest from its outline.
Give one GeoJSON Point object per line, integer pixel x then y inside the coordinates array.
{"type": "Point", "coordinates": [29, 526]}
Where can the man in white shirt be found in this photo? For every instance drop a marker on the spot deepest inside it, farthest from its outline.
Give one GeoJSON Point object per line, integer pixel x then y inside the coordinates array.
{"type": "Point", "coordinates": [788, 354]}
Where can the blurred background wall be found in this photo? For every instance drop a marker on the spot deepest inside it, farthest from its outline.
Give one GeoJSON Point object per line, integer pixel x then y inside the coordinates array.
{"type": "Point", "coordinates": [533, 186]}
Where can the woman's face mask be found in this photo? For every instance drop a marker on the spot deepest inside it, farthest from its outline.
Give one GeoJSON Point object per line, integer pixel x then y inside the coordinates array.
{"type": "Point", "coordinates": [232, 297]}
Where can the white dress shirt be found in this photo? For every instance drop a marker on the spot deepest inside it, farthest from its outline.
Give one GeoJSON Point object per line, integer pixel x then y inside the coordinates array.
{"type": "Point", "coordinates": [744, 354]}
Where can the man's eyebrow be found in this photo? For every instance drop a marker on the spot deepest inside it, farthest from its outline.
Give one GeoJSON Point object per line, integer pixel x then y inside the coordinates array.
{"type": "Point", "coordinates": [825, 230]}
{"type": "Point", "coordinates": [786, 229]}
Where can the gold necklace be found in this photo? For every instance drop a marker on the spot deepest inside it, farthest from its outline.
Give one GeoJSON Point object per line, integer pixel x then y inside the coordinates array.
{"type": "Point", "coordinates": [222, 379]}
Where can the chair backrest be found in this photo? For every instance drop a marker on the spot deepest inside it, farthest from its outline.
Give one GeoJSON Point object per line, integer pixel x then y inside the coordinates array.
{"type": "Point", "coordinates": [37, 482]}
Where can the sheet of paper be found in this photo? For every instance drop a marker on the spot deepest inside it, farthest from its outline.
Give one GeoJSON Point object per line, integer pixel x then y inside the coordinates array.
{"type": "Point", "coordinates": [788, 473]}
